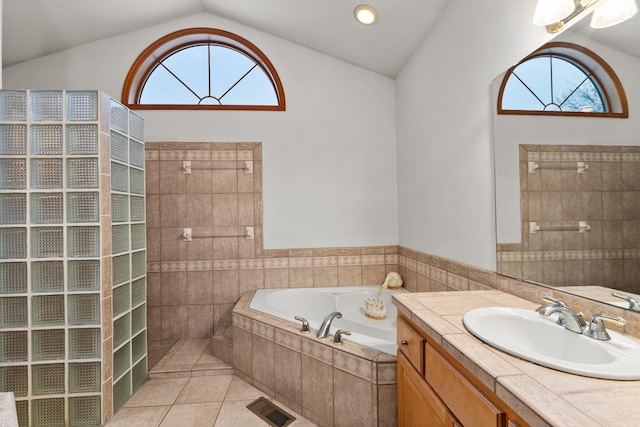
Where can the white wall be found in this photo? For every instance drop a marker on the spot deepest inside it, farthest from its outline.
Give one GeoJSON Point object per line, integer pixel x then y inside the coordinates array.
{"type": "Point", "coordinates": [444, 122]}
{"type": "Point", "coordinates": [329, 160]}
{"type": "Point", "coordinates": [0, 44]}
{"type": "Point", "coordinates": [512, 130]}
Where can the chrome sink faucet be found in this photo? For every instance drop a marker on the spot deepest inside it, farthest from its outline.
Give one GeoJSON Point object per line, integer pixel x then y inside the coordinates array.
{"type": "Point", "coordinates": [326, 324]}
{"type": "Point", "coordinates": [566, 317]}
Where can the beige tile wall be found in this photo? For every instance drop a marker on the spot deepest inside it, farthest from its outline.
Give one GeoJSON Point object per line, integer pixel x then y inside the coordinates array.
{"type": "Point", "coordinates": [430, 273]}
{"type": "Point", "coordinates": [193, 286]}
{"type": "Point", "coordinates": [606, 196]}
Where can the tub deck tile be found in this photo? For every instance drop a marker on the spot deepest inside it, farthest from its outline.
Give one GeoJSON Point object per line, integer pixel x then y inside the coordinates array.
{"type": "Point", "coordinates": [288, 339]}
{"type": "Point", "coordinates": [263, 330]}
{"type": "Point", "coordinates": [355, 349]}
{"type": "Point", "coordinates": [385, 373]}
{"type": "Point", "coordinates": [241, 322]}
{"type": "Point", "coordinates": [353, 365]}
{"type": "Point", "coordinates": [317, 351]}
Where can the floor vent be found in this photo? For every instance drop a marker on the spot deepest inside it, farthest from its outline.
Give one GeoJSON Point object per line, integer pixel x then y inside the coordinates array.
{"type": "Point", "coordinates": [270, 413]}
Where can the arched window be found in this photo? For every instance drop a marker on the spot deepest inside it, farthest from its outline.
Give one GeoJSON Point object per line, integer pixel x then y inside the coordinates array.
{"type": "Point", "coordinates": [562, 79]}
{"type": "Point", "coordinates": [203, 68]}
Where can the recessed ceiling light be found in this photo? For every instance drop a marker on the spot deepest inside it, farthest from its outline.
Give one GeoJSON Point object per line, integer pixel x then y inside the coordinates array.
{"type": "Point", "coordinates": [365, 14]}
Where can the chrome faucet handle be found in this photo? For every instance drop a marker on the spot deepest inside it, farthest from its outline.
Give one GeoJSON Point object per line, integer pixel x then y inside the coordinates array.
{"type": "Point", "coordinates": [337, 338]}
{"type": "Point", "coordinates": [596, 328]}
{"type": "Point", "coordinates": [633, 304]}
{"type": "Point", "coordinates": [305, 324]}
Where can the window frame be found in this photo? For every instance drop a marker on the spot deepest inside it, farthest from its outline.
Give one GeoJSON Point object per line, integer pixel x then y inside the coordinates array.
{"type": "Point", "coordinates": [167, 45]}
{"type": "Point", "coordinates": [605, 78]}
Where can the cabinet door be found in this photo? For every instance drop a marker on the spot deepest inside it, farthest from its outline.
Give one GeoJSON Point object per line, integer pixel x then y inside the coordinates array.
{"type": "Point", "coordinates": [418, 405]}
{"type": "Point", "coordinates": [467, 402]}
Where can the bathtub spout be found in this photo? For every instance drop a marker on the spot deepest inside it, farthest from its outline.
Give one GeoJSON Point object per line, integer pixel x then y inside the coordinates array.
{"type": "Point", "coordinates": [326, 324]}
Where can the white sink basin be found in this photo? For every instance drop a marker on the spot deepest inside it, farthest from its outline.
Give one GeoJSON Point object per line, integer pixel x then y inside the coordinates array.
{"type": "Point", "coordinates": [530, 336]}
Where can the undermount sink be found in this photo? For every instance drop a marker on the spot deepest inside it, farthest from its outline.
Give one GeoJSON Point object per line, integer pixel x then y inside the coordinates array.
{"type": "Point", "coordinates": [530, 336]}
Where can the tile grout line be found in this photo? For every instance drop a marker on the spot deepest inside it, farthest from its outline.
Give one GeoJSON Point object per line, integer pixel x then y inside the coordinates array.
{"type": "Point", "coordinates": [224, 398]}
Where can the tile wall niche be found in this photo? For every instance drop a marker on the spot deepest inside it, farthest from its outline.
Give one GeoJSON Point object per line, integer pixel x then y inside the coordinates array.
{"type": "Point", "coordinates": [606, 196]}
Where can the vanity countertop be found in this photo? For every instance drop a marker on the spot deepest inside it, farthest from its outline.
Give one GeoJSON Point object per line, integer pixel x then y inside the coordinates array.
{"type": "Point", "coordinates": [541, 396]}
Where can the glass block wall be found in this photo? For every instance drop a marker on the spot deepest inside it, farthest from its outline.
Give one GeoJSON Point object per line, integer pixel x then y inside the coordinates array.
{"type": "Point", "coordinates": [72, 276]}
{"type": "Point", "coordinates": [128, 263]}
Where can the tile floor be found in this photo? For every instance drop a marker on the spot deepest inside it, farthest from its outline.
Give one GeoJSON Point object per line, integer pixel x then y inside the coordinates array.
{"type": "Point", "coordinates": [188, 387]}
{"type": "Point", "coordinates": [186, 358]}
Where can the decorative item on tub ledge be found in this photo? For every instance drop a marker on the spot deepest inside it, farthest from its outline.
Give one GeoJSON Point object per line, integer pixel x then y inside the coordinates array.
{"type": "Point", "coordinates": [393, 281]}
{"type": "Point", "coordinates": [375, 309]}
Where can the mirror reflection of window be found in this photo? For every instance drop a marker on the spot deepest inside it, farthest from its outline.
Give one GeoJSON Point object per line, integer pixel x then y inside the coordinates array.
{"type": "Point", "coordinates": [552, 83]}
{"type": "Point", "coordinates": [562, 79]}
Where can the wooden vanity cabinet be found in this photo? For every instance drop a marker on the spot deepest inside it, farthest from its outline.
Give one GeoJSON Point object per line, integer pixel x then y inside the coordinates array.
{"type": "Point", "coordinates": [418, 404]}
{"type": "Point", "coordinates": [435, 391]}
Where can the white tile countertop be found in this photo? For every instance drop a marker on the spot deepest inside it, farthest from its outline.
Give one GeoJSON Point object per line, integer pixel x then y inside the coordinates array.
{"type": "Point", "coordinates": [8, 415]}
{"type": "Point", "coordinates": [541, 396]}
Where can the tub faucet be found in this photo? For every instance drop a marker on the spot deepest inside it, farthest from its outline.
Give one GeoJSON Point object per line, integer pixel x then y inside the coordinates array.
{"type": "Point", "coordinates": [567, 317]}
{"type": "Point", "coordinates": [326, 324]}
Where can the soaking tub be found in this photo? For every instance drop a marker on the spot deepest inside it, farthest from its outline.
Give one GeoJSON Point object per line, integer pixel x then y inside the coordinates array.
{"type": "Point", "coordinates": [314, 304]}
{"type": "Point", "coordinates": [352, 384]}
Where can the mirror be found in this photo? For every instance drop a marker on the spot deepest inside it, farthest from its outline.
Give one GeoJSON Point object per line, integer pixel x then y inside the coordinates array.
{"type": "Point", "coordinates": [603, 256]}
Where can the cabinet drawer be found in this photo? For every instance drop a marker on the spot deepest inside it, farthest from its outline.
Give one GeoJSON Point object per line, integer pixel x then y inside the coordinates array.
{"type": "Point", "coordinates": [466, 402]}
{"type": "Point", "coordinates": [411, 344]}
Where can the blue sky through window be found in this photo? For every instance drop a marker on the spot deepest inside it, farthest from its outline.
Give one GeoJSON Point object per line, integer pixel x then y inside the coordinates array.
{"type": "Point", "coordinates": [208, 74]}
{"type": "Point", "coordinates": [551, 83]}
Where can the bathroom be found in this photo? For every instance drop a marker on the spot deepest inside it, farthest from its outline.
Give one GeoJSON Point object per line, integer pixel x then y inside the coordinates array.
{"type": "Point", "coordinates": [359, 165]}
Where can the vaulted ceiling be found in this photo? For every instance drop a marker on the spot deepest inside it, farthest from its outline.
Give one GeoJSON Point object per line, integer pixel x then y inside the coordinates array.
{"type": "Point", "coordinates": [33, 28]}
